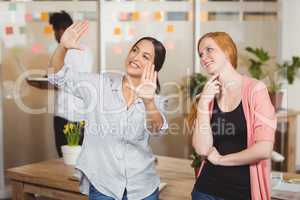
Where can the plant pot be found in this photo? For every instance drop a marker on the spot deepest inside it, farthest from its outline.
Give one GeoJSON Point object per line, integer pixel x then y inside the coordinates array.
{"type": "Point", "coordinates": [70, 154]}
{"type": "Point", "coordinates": [276, 99]}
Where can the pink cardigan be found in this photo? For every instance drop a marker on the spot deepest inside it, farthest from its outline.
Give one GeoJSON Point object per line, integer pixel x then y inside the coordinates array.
{"type": "Point", "coordinates": [261, 125]}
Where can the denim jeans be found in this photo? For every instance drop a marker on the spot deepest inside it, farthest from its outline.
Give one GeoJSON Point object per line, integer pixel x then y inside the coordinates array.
{"type": "Point", "coordinates": [96, 195]}
{"type": "Point", "coordinates": [203, 196]}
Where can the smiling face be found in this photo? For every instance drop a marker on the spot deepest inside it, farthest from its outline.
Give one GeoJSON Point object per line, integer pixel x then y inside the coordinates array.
{"type": "Point", "coordinates": [140, 56]}
{"type": "Point", "coordinates": [212, 58]}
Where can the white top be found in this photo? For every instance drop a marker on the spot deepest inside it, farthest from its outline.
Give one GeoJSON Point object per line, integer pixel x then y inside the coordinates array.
{"type": "Point", "coordinates": [66, 104]}
{"type": "Point", "coordinates": [115, 152]}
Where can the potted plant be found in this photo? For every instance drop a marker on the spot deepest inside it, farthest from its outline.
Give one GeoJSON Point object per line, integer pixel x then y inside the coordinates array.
{"type": "Point", "coordinates": [261, 68]}
{"type": "Point", "coordinates": [290, 69]}
{"type": "Point", "coordinates": [259, 60]}
{"type": "Point", "coordinates": [72, 150]}
{"type": "Point", "coordinates": [197, 82]}
{"type": "Point", "coordinates": [196, 163]}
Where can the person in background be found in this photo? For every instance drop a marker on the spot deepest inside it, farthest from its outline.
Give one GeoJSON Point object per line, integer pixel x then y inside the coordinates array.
{"type": "Point", "coordinates": [66, 104]}
{"type": "Point", "coordinates": [234, 125]}
{"type": "Point", "coordinates": [116, 161]}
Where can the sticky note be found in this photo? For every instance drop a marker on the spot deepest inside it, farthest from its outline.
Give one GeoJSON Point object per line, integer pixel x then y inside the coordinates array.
{"type": "Point", "coordinates": [12, 7]}
{"type": "Point", "coordinates": [123, 16]}
{"type": "Point", "coordinates": [203, 16]}
{"type": "Point", "coordinates": [36, 16]}
{"type": "Point", "coordinates": [117, 31]}
{"type": "Point", "coordinates": [131, 31]}
{"type": "Point", "coordinates": [44, 16]}
{"type": "Point", "coordinates": [22, 29]}
{"type": "Point", "coordinates": [190, 15]}
{"type": "Point", "coordinates": [170, 28]}
{"type": "Point", "coordinates": [117, 50]}
{"type": "Point", "coordinates": [9, 30]}
{"type": "Point", "coordinates": [36, 48]}
{"type": "Point", "coordinates": [77, 16]}
{"type": "Point", "coordinates": [158, 15]}
{"type": "Point", "coordinates": [170, 45]}
{"type": "Point", "coordinates": [135, 16]}
{"type": "Point", "coordinates": [48, 29]}
{"type": "Point", "coordinates": [28, 17]}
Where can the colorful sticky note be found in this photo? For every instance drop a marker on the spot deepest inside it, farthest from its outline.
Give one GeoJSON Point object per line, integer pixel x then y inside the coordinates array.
{"type": "Point", "coordinates": [36, 48]}
{"type": "Point", "coordinates": [170, 28]}
{"type": "Point", "coordinates": [123, 16]}
{"type": "Point", "coordinates": [36, 16]}
{"type": "Point", "coordinates": [131, 31]}
{"type": "Point", "coordinates": [12, 7]}
{"type": "Point", "coordinates": [190, 15]}
{"type": "Point", "coordinates": [117, 50]}
{"type": "Point", "coordinates": [22, 29]}
{"type": "Point", "coordinates": [117, 31]}
{"type": "Point", "coordinates": [170, 45]}
{"type": "Point", "coordinates": [44, 16]}
{"type": "Point", "coordinates": [28, 17]}
{"type": "Point", "coordinates": [135, 16]}
{"type": "Point", "coordinates": [9, 30]}
{"type": "Point", "coordinates": [77, 16]}
{"type": "Point", "coordinates": [204, 16]}
{"type": "Point", "coordinates": [48, 29]}
{"type": "Point", "coordinates": [158, 15]}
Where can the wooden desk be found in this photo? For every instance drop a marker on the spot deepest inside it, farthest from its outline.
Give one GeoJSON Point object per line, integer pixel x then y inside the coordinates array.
{"type": "Point", "coordinates": [52, 179]}
{"type": "Point", "coordinates": [288, 147]}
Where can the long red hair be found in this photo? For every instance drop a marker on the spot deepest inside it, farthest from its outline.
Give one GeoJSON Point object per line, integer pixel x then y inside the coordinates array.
{"type": "Point", "coordinates": [225, 42]}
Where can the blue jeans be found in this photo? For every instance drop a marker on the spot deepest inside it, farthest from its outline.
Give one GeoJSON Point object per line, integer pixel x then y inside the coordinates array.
{"type": "Point", "coordinates": [96, 195]}
{"type": "Point", "coordinates": [203, 196]}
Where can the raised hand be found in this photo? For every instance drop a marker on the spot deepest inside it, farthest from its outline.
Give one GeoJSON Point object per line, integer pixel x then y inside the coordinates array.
{"type": "Point", "coordinates": [147, 87]}
{"type": "Point", "coordinates": [71, 36]}
{"type": "Point", "coordinates": [211, 89]}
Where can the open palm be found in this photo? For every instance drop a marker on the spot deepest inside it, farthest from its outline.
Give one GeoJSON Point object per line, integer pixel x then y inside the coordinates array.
{"type": "Point", "coordinates": [147, 87]}
{"type": "Point", "coordinates": [70, 38]}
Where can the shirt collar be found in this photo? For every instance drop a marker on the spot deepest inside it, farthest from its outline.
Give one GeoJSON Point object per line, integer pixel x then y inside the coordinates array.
{"type": "Point", "coordinates": [116, 87]}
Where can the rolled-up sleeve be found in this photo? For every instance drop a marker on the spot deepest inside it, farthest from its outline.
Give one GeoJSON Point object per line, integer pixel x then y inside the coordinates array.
{"type": "Point", "coordinates": [161, 104]}
{"type": "Point", "coordinates": [79, 84]}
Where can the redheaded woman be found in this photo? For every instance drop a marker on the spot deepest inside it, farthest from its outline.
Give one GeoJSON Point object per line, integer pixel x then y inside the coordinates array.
{"type": "Point", "coordinates": [233, 127]}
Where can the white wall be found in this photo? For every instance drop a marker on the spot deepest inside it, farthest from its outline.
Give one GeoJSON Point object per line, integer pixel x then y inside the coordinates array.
{"type": "Point", "coordinates": [290, 46]}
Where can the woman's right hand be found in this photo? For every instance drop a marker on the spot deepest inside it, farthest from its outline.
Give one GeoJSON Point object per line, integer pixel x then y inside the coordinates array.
{"type": "Point", "coordinates": [71, 36]}
{"type": "Point", "coordinates": [210, 90]}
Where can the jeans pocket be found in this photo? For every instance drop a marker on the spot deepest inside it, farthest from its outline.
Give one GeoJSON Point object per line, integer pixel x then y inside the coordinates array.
{"type": "Point", "coordinates": [94, 194]}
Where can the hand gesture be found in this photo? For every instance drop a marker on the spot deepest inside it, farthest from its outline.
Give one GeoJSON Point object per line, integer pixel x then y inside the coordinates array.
{"type": "Point", "coordinates": [147, 87]}
{"type": "Point", "coordinates": [71, 36]}
{"type": "Point", "coordinates": [211, 89]}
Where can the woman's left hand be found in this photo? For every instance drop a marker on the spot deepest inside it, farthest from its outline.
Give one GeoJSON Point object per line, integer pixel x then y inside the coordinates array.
{"type": "Point", "coordinates": [147, 87]}
{"type": "Point", "coordinates": [214, 156]}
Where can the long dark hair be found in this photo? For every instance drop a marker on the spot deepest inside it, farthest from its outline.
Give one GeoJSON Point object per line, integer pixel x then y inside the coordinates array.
{"type": "Point", "coordinates": [159, 57]}
{"type": "Point", "coordinates": [60, 20]}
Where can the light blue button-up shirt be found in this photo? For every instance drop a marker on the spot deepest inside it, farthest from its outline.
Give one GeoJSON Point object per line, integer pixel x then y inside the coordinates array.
{"type": "Point", "coordinates": [115, 152]}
